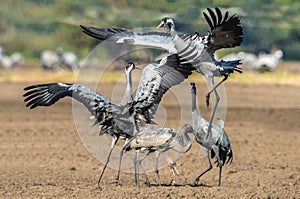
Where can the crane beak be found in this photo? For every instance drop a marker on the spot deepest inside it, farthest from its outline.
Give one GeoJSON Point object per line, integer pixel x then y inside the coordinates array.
{"type": "Point", "coordinates": [162, 24]}
{"type": "Point", "coordinates": [137, 68]}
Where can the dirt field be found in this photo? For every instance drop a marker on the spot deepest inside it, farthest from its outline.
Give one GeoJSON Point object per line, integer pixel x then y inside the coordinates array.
{"type": "Point", "coordinates": [42, 156]}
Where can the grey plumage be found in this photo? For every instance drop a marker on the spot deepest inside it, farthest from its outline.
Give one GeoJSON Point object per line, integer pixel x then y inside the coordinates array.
{"type": "Point", "coordinates": [157, 140]}
{"type": "Point", "coordinates": [114, 118]}
{"type": "Point", "coordinates": [199, 51]}
{"type": "Point", "coordinates": [226, 32]}
{"type": "Point", "coordinates": [157, 78]}
{"type": "Point", "coordinates": [130, 115]}
{"type": "Point", "coordinates": [217, 145]}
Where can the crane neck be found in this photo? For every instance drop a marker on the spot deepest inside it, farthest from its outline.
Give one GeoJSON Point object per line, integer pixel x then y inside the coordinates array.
{"type": "Point", "coordinates": [198, 120]}
{"type": "Point", "coordinates": [194, 103]}
{"type": "Point", "coordinates": [127, 98]}
{"type": "Point", "coordinates": [183, 142]}
{"type": "Point", "coordinates": [129, 83]}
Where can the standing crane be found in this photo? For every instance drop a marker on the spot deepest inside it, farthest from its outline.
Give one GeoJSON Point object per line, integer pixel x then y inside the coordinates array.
{"type": "Point", "coordinates": [157, 140]}
{"type": "Point", "coordinates": [156, 79]}
{"type": "Point", "coordinates": [130, 115]}
{"type": "Point", "coordinates": [114, 120]}
{"type": "Point", "coordinates": [217, 145]}
{"type": "Point", "coordinates": [226, 32]}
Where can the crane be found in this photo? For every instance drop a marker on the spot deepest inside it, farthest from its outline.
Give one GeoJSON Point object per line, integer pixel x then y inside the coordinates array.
{"type": "Point", "coordinates": [157, 140]}
{"type": "Point", "coordinates": [114, 120]}
{"type": "Point", "coordinates": [261, 62]}
{"type": "Point", "coordinates": [130, 115]}
{"type": "Point", "coordinates": [217, 145]}
{"type": "Point", "coordinates": [226, 32]}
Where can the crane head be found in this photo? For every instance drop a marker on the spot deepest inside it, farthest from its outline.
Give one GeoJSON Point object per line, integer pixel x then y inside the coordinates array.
{"type": "Point", "coordinates": [130, 67]}
{"type": "Point", "coordinates": [166, 22]}
{"type": "Point", "coordinates": [193, 88]}
{"type": "Point", "coordinates": [187, 128]}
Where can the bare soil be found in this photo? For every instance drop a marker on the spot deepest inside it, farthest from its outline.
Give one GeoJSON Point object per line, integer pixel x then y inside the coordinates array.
{"type": "Point", "coordinates": [42, 156]}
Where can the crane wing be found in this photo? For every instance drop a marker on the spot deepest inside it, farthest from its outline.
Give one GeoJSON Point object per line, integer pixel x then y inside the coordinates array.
{"type": "Point", "coordinates": [226, 32]}
{"type": "Point", "coordinates": [154, 39]}
{"type": "Point", "coordinates": [156, 80]}
{"type": "Point", "coordinates": [48, 94]}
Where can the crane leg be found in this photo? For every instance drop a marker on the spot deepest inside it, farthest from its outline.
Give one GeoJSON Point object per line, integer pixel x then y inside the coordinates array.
{"type": "Point", "coordinates": [156, 168]}
{"type": "Point", "coordinates": [113, 143]}
{"type": "Point", "coordinates": [220, 166]}
{"type": "Point", "coordinates": [220, 163]}
{"type": "Point", "coordinates": [208, 169]}
{"type": "Point", "coordinates": [220, 173]}
{"type": "Point", "coordinates": [216, 103]}
{"type": "Point", "coordinates": [136, 168]}
{"type": "Point", "coordinates": [214, 88]}
{"type": "Point", "coordinates": [123, 150]}
{"type": "Point", "coordinates": [144, 172]}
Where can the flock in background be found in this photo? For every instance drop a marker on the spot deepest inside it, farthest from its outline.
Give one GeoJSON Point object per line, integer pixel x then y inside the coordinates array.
{"type": "Point", "coordinates": [55, 60]}
{"type": "Point", "coordinates": [60, 60]}
{"type": "Point", "coordinates": [133, 119]}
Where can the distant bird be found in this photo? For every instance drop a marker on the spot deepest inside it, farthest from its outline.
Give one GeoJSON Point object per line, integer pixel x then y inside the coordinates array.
{"type": "Point", "coordinates": [261, 62]}
{"type": "Point", "coordinates": [124, 119]}
{"type": "Point", "coordinates": [226, 32]}
{"type": "Point", "coordinates": [247, 59]}
{"type": "Point", "coordinates": [50, 60]}
{"type": "Point", "coordinates": [69, 59]}
{"type": "Point", "coordinates": [16, 57]}
{"type": "Point", "coordinates": [9, 61]}
{"type": "Point", "coordinates": [158, 140]}
{"type": "Point", "coordinates": [56, 60]}
{"type": "Point", "coordinates": [268, 62]}
{"type": "Point", "coordinates": [217, 145]}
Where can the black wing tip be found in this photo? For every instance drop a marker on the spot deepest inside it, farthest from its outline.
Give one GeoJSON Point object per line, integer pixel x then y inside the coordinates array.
{"type": "Point", "coordinates": [30, 87]}
{"type": "Point", "coordinates": [82, 26]}
{"type": "Point", "coordinates": [234, 19]}
{"type": "Point", "coordinates": [33, 86]}
{"type": "Point", "coordinates": [238, 69]}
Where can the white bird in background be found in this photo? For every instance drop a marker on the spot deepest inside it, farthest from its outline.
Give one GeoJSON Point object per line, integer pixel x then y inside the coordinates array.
{"type": "Point", "coordinates": [261, 62]}
{"type": "Point", "coordinates": [69, 59]}
{"type": "Point", "coordinates": [268, 62]}
{"type": "Point", "coordinates": [56, 60]}
{"type": "Point", "coordinates": [9, 61]}
{"type": "Point", "coordinates": [49, 60]}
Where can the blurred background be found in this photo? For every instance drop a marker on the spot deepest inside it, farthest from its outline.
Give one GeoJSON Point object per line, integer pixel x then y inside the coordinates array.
{"type": "Point", "coordinates": [28, 28]}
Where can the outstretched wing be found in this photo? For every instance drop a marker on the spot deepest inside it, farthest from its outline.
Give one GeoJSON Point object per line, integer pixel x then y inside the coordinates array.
{"type": "Point", "coordinates": [156, 80]}
{"type": "Point", "coordinates": [102, 33]}
{"type": "Point", "coordinates": [48, 94]}
{"type": "Point", "coordinates": [226, 32]}
{"type": "Point", "coordinates": [155, 39]}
